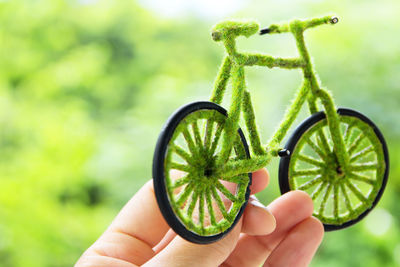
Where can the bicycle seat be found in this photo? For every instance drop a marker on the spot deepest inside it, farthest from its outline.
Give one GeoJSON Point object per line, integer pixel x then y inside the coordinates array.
{"type": "Point", "coordinates": [234, 28]}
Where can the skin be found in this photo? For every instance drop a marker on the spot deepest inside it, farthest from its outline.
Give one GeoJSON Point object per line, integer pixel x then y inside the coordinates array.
{"type": "Point", "coordinates": [282, 234]}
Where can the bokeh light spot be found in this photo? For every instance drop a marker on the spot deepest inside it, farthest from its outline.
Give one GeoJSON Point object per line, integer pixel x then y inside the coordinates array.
{"type": "Point", "coordinates": [378, 222]}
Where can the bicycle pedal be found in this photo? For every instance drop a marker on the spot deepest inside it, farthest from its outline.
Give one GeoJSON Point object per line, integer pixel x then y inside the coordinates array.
{"type": "Point", "coordinates": [284, 153]}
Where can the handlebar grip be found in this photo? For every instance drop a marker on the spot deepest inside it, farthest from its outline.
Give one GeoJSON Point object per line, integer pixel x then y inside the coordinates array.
{"type": "Point", "coordinates": [320, 21]}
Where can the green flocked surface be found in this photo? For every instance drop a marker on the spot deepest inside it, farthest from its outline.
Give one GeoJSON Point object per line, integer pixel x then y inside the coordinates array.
{"type": "Point", "coordinates": [338, 197]}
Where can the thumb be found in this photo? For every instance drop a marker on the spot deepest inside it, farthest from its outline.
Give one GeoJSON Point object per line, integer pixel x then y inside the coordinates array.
{"type": "Point", "coordinates": [183, 253]}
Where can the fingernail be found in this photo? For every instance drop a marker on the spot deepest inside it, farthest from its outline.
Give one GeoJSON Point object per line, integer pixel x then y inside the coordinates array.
{"type": "Point", "coordinates": [253, 197]}
{"type": "Point", "coordinates": [254, 201]}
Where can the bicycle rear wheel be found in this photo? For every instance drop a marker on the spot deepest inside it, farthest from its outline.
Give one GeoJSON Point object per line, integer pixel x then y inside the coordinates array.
{"type": "Point", "coordinates": [198, 205]}
{"type": "Point", "coordinates": [340, 198]}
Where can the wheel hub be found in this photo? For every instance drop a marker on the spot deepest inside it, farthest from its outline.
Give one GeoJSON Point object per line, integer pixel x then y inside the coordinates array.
{"type": "Point", "coordinates": [207, 169]}
{"type": "Point", "coordinates": [339, 171]}
{"type": "Point", "coordinates": [208, 172]}
{"type": "Point", "coordinates": [333, 172]}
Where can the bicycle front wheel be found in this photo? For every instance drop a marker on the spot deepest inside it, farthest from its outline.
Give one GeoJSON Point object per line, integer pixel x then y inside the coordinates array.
{"type": "Point", "coordinates": [198, 205]}
{"type": "Point", "coordinates": [341, 198]}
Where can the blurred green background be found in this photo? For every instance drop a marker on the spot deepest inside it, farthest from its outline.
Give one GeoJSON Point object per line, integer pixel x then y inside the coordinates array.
{"type": "Point", "coordinates": [86, 85]}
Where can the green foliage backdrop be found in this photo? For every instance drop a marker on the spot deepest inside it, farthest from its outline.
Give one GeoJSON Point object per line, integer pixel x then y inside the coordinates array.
{"type": "Point", "coordinates": [85, 87]}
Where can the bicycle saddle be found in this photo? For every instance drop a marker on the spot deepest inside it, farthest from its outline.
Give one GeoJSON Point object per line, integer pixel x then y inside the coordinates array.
{"type": "Point", "coordinates": [233, 28]}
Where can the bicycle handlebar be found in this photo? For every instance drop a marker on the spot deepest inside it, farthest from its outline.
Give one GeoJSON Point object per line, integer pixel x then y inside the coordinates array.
{"type": "Point", "coordinates": [304, 24]}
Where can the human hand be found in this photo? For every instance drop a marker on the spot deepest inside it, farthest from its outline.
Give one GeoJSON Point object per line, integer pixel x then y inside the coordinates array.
{"type": "Point", "coordinates": [284, 234]}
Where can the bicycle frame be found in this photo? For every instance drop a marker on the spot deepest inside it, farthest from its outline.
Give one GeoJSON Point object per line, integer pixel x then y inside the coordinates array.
{"type": "Point", "coordinates": [339, 158]}
{"type": "Point", "coordinates": [310, 91]}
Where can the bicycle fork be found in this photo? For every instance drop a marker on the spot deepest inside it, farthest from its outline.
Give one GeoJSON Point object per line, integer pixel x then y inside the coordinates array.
{"type": "Point", "coordinates": [332, 117]}
{"type": "Point", "coordinates": [339, 150]}
{"type": "Point", "coordinates": [232, 122]}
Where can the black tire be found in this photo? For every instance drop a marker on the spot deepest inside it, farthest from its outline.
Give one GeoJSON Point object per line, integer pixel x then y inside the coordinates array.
{"type": "Point", "coordinates": [307, 125]}
{"type": "Point", "coordinates": [159, 175]}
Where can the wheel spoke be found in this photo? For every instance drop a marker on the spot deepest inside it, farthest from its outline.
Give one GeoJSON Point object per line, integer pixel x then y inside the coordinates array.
{"type": "Point", "coordinates": [315, 148]}
{"type": "Point", "coordinates": [336, 201]}
{"type": "Point", "coordinates": [310, 183]}
{"type": "Point", "coordinates": [236, 179]}
{"type": "Point", "coordinates": [189, 141]}
{"type": "Point", "coordinates": [181, 181]}
{"type": "Point", "coordinates": [201, 208]}
{"type": "Point", "coordinates": [356, 192]}
{"type": "Point", "coordinates": [361, 178]}
{"type": "Point", "coordinates": [192, 204]}
{"type": "Point", "coordinates": [182, 153]}
{"type": "Point", "coordinates": [321, 139]}
{"type": "Point", "coordinates": [236, 145]}
{"type": "Point", "coordinates": [220, 203]}
{"type": "Point", "coordinates": [183, 196]}
{"type": "Point", "coordinates": [214, 144]}
{"type": "Point", "coordinates": [310, 160]}
{"type": "Point", "coordinates": [347, 133]}
{"type": "Point", "coordinates": [362, 153]}
{"type": "Point", "coordinates": [324, 200]}
{"type": "Point", "coordinates": [225, 191]}
{"type": "Point", "coordinates": [179, 167]}
{"type": "Point", "coordinates": [369, 166]}
{"type": "Point", "coordinates": [346, 198]}
{"type": "Point", "coordinates": [318, 190]}
{"type": "Point", "coordinates": [207, 138]}
{"type": "Point", "coordinates": [356, 143]}
{"type": "Point", "coordinates": [210, 207]}
{"type": "Point", "coordinates": [197, 136]}
{"type": "Point", "coordinates": [314, 171]}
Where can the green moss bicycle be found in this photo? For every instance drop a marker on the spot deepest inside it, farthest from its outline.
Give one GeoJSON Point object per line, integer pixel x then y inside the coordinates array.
{"type": "Point", "coordinates": [202, 164]}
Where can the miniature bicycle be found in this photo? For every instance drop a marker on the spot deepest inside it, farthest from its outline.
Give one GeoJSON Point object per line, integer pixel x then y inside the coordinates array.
{"type": "Point", "coordinates": [202, 164]}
